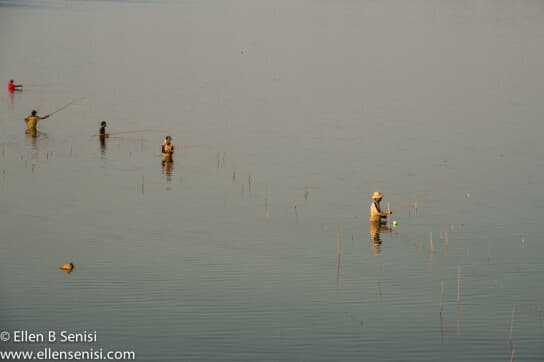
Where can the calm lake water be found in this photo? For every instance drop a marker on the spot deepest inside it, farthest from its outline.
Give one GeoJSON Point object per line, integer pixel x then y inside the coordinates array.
{"type": "Point", "coordinates": [273, 104]}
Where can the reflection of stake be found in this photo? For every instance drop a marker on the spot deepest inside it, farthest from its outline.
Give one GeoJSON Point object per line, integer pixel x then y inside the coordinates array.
{"type": "Point", "coordinates": [296, 213]}
{"type": "Point", "coordinates": [441, 297]}
{"type": "Point", "coordinates": [337, 271]}
{"type": "Point", "coordinates": [441, 309]}
{"type": "Point", "coordinates": [459, 283]}
{"type": "Point", "coordinates": [339, 254]}
{"type": "Point", "coordinates": [512, 323]}
{"type": "Point", "coordinates": [458, 318]}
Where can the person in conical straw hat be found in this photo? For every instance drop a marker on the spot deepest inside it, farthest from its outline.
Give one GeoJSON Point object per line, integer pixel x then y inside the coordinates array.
{"type": "Point", "coordinates": [376, 213]}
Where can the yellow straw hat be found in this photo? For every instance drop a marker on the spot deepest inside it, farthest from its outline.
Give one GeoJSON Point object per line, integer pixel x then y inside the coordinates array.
{"type": "Point", "coordinates": [377, 195]}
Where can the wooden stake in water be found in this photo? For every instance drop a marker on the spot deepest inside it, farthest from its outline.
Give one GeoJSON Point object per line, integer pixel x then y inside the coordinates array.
{"type": "Point", "coordinates": [233, 174]}
{"type": "Point", "coordinates": [459, 283]}
{"type": "Point", "coordinates": [431, 240]}
{"type": "Point", "coordinates": [446, 237]}
{"type": "Point", "coordinates": [458, 318]}
{"type": "Point", "coordinates": [338, 240]}
{"type": "Point", "coordinates": [142, 184]}
{"type": "Point", "coordinates": [249, 183]}
{"type": "Point", "coordinates": [306, 192]}
{"type": "Point", "coordinates": [296, 213]}
{"type": "Point", "coordinates": [510, 337]}
{"type": "Point", "coordinates": [388, 210]}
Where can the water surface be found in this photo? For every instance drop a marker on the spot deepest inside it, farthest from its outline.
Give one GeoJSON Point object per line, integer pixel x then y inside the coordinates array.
{"type": "Point", "coordinates": [208, 260]}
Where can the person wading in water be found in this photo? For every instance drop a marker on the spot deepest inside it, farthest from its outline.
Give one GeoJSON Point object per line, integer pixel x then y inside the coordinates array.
{"type": "Point", "coordinates": [376, 213]}
{"type": "Point", "coordinates": [167, 150]}
{"type": "Point", "coordinates": [32, 123]}
{"type": "Point", "coordinates": [377, 220]}
{"type": "Point", "coordinates": [12, 87]}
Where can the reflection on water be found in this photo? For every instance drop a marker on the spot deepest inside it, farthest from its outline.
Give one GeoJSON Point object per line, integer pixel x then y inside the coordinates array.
{"type": "Point", "coordinates": [11, 97]}
{"type": "Point", "coordinates": [376, 228]}
{"type": "Point", "coordinates": [102, 146]}
{"type": "Point", "coordinates": [167, 169]}
{"type": "Point", "coordinates": [32, 138]}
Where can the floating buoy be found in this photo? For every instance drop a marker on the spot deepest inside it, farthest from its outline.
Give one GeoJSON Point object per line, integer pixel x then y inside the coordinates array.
{"type": "Point", "coordinates": [395, 223]}
{"type": "Point", "coordinates": [68, 267]}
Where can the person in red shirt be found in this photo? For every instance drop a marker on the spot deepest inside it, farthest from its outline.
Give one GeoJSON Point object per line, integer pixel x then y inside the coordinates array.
{"type": "Point", "coordinates": [12, 87]}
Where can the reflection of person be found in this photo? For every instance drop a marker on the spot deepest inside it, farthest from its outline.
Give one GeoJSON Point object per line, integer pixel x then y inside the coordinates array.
{"type": "Point", "coordinates": [167, 149]}
{"type": "Point", "coordinates": [102, 146]}
{"type": "Point", "coordinates": [376, 228]}
{"type": "Point", "coordinates": [167, 168]}
{"type": "Point", "coordinates": [376, 213]}
{"type": "Point", "coordinates": [33, 132]}
{"type": "Point", "coordinates": [32, 122]}
{"type": "Point", "coordinates": [12, 87]}
{"type": "Point", "coordinates": [102, 132]}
